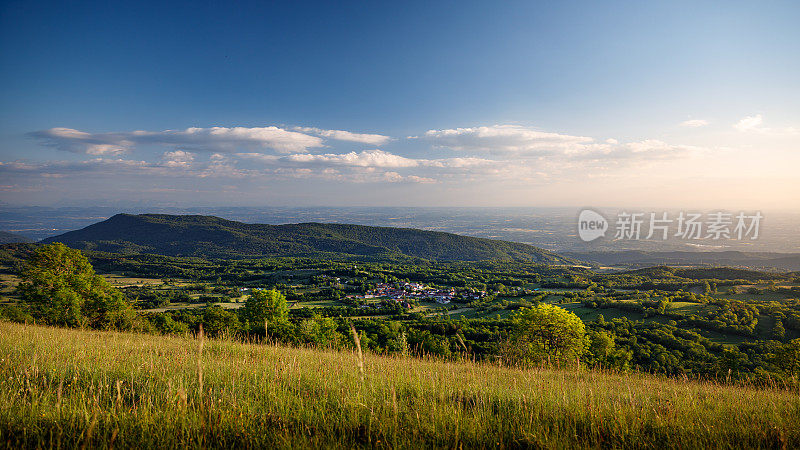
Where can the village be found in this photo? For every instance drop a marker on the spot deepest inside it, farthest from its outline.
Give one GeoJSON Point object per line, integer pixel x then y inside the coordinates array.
{"type": "Point", "coordinates": [405, 292]}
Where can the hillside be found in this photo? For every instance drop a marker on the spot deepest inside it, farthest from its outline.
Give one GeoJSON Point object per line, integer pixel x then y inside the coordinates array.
{"type": "Point", "coordinates": [702, 273]}
{"type": "Point", "coordinates": [213, 237]}
{"type": "Point", "coordinates": [12, 238]}
{"type": "Point", "coordinates": [68, 388]}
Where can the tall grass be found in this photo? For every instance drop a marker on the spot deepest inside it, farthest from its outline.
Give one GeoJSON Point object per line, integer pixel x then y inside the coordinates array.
{"type": "Point", "coordinates": [71, 389]}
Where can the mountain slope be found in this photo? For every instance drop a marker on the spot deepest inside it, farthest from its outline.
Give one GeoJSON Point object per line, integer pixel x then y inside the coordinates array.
{"type": "Point", "coordinates": [12, 238]}
{"type": "Point", "coordinates": [214, 237]}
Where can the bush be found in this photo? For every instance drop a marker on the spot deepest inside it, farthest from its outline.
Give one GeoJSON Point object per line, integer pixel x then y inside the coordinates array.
{"type": "Point", "coordinates": [546, 332]}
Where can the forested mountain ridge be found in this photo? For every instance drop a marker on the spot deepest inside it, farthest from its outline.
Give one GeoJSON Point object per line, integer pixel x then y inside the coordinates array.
{"type": "Point", "coordinates": [214, 237]}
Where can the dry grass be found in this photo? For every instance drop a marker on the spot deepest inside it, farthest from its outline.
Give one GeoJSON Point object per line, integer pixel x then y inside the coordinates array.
{"type": "Point", "coordinates": [71, 388]}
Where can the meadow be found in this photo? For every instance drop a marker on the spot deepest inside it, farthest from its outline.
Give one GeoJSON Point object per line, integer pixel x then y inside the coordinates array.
{"type": "Point", "coordinates": [72, 388]}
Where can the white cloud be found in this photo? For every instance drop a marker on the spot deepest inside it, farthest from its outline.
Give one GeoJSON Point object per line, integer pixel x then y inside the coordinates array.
{"type": "Point", "coordinates": [500, 153]}
{"type": "Point", "coordinates": [219, 139]}
{"type": "Point", "coordinates": [392, 177]}
{"type": "Point", "coordinates": [178, 158]}
{"type": "Point", "coordinates": [107, 166]}
{"type": "Point", "coordinates": [516, 141]}
{"type": "Point", "coordinates": [175, 165]}
{"type": "Point", "coordinates": [694, 123]}
{"type": "Point", "coordinates": [416, 179]}
{"type": "Point", "coordinates": [81, 142]}
{"type": "Point", "coordinates": [367, 166]}
{"type": "Point", "coordinates": [105, 149]}
{"type": "Point", "coordinates": [513, 139]}
{"type": "Point", "coordinates": [653, 148]}
{"type": "Point", "coordinates": [68, 133]}
{"type": "Point", "coordinates": [749, 123]}
{"type": "Point", "coordinates": [232, 138]}
{"type": "Point", "coordinates": [754, 124]}
{"type": "Point", "coordinates": [458, 163]}
{"type": "Point", "coordinates": [367, 158]}
{"type": "Point", "coordinates": [341, 135]}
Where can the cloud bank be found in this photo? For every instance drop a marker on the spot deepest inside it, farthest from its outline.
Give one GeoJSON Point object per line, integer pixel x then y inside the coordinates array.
{"type": "Point", "coordinates": [508, 139]}
{"type": "Point", "coordinates": [522, 142]}
{"type": "Point", "coordinates": [217, 139]}
{"type": "Point", "coordinates": [341, 135]}
{"type": "Point", "coordinates": [493, 153]}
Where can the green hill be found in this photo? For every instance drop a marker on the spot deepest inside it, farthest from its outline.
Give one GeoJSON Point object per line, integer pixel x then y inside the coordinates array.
{"type": "Point", "coordinates": [12, 238]}
{"type": "Point", "coordinates": [213, 237]}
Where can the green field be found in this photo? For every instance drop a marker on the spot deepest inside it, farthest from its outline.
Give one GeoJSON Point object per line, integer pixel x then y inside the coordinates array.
{"type": "Point", "coordinates": [72, 388]}
{"type": "Point", "coordinates": [122, 281]}
{"type": "Point", "coordinates": [763, 295]}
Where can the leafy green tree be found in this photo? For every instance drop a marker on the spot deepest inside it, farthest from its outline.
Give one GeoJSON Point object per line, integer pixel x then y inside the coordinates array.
{"type": "Point", "coordinates": [59, 286]}
{"type": "Point", "coordinates": [425, 343]}
{"type": "Point", "coordinates": [165, 324]}
{"type": "Point", "coordinates": [500, 288]}
{"type": "Point", "coordinates": [601, 344]}
{"type": "Point", "coordinates": [265, 306]}
{"type": "Point", "coordinates": [604, 351]}
{"type": "Point", "coordinates": [788, 358]}
{"type": "Point", "coordinates": [547, 332]}
{"type": "Point", "coordinates": [218, 321]}
{"type": "Point", "coordinates": [320, 331]}
{"type": "Point", "coordinates": [778, 331]}
{"type": "Point", "coordinates": [14, 313]}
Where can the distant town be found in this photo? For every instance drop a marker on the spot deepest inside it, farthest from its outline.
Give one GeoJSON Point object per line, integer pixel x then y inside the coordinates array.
{"type": "Point", "coordinates": [402, 292]}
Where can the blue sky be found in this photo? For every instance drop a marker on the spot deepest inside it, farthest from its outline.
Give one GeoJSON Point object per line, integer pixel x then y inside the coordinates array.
{"type": "Point", "coordinates": [675, 104]}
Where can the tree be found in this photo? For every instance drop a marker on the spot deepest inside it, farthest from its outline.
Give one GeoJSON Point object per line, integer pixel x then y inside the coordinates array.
{"type": "Point", "coordinates": [265, 306]}
{"type": "Point", "coordinates": [217, 321]}
{"type": "Point", "coordinates": [59, 286]}
{"type": "Point", "coordinates": [164, 323]}
{"type": "Point", "coordinates": [601, 345]}
{"type": "Point", "coordinates": [545, 332]}
{"type": "Point", "coordinates": [604, 351]}
{"type": "Point", "coordinates": [778, 331]}
{"type": "Point", "coordinates": [320, 331]}
{"type": "Point", "coordinates": [788, 358]}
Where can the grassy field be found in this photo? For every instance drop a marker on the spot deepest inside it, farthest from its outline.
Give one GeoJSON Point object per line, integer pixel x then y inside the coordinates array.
{"type": "Point", "coordinates": [117, 280]}
{"type": "Point", "coordinates": [72, 388]}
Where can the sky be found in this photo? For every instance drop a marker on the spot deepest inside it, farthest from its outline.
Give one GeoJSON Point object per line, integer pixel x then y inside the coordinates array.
{"type": "Point", "coordinates": [515, 103]}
